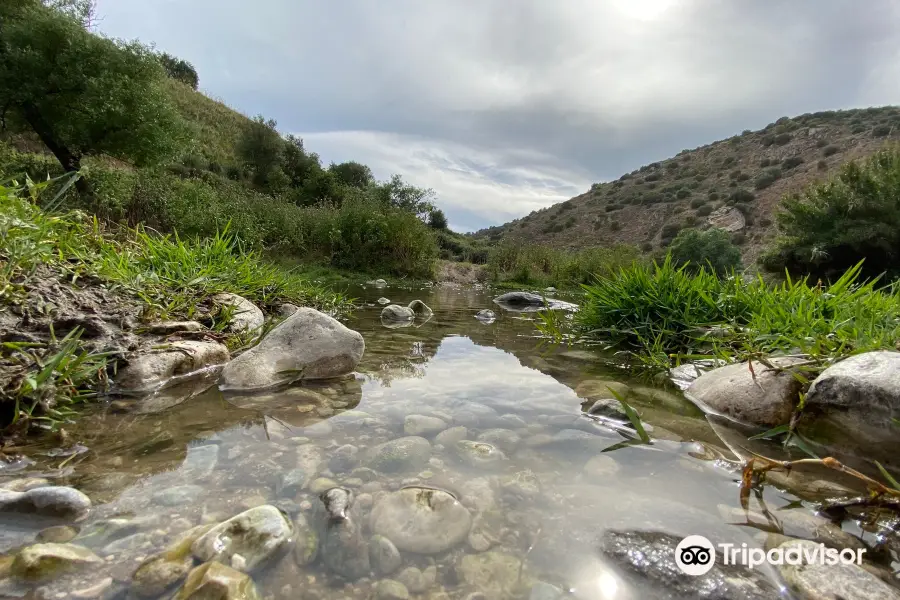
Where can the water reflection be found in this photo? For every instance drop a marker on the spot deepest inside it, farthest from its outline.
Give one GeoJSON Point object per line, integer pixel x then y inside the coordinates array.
{"type": "Point", "coordinates": [550, 510]}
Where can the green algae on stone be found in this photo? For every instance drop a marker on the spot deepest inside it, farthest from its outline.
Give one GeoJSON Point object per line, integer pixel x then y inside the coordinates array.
{"type": "Point", "coordinates": [40, 562]}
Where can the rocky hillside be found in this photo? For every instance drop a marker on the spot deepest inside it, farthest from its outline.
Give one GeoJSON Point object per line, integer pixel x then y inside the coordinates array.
{"type": "Point", "coordinates": [735, 184]}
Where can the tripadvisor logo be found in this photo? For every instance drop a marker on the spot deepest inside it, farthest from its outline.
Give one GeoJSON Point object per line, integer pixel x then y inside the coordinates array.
{"type": "Point", "coordinates": [696, 555]}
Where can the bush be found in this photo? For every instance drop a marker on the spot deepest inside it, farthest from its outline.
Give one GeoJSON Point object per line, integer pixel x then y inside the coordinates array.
{"type": "Point", "coordinates": [741, 196]}
{"type": "Point", "coordinates": [782, 138]}
{"type": "Point", "coordinates": [728, 161]}
{"type": "Point", "coordinates": [653, 177]}
{"type": "Point", "coordinates": [697, 202]}
{"type": "Point", "coordinates": [791, 162]}
{"type": "Point", "coordinates": [704, 210]}
{"type": "Point", "coordinates": [180, 70]}
{"type": "Point", "coordinates": [821, 143]}
{"type": "Point", "coordinates": [438, 220]}
{"type": "Point", "coordinates": [831, 226]}
{"type": "Point", "coordinates": [669, 231]}
{"type": "Point", "coordinates": [881, 131]}
{"type": "Point", "coordinates": [830, 151]}
{"type": "Point", "coordinates": [769, 177]}
{"type": "Point", "coordinates": [713, 196]}
{"type": "Point", "coordinates": [822, 165]}
{"type": "Point", "coordinates": [615, 226]}
{"type": "Point", "coordinates": [682, 194]}
{"type": "Point", "coordinates": [765, 163]}
{"type": "Point", "coordinates": [711, 249]}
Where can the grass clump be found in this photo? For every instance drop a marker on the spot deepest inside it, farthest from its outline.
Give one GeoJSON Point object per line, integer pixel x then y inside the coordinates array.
{"type": "Point", "coordinates": [663, 311]}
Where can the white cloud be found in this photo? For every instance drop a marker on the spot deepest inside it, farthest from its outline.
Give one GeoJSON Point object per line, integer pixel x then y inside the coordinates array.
{"type": "Point", "coordinates": [506, 105]}
{"type": "Point", "coordinates": [475, 187]}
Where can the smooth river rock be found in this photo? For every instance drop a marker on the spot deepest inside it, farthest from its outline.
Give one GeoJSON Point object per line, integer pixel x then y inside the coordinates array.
{"type": "Point", "coordinates": [148, 372]}
{"type": "Point", "coordinates": [423, 425]}
{"type": "Point", "coordinates": [247, 317]}
{"type": "Point", "coordinates": [162, 571]}
{"type": "Point", "coordinates": [41, 562]}
{"type": "Point", "coordinates": [649, 557]}
{"type": "Point", "coordinates": [815, 581]}
{"type": "Point", "coordinates": [478, 454]}
{"type": "Point", "coordinates": [421, 520]}
{"type": "Point", "coordinates": [307, 345]}
{"type": "Point", "coordinates": [731, 391]}
{"type": "Point", "coordinates": [402, 454]}
{"type": "Point", "coordinates": [255, 535]}
{"type": "Point", "coordinates": [852, 404]}
{"type": "Point", "coordinates": [215, 581]}
{"type": "Point", "coordinates": [49, 501]}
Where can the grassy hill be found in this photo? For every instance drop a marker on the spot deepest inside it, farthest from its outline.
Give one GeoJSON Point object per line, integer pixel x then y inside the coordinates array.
{"type": "Point", "coordinates": [742, 178]}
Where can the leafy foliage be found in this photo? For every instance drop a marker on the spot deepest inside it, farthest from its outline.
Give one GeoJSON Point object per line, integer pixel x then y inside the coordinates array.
{"type": "Point", "coordinates": [437, 219]}
{"type": "Point", "coordinates": [833, 225]}
{"type": "Point", "coordinates": [80, 93]}
{"type": "Point", "coordinates": [711, 249]}
{"type": "Point", "coordinates": [180, 70]}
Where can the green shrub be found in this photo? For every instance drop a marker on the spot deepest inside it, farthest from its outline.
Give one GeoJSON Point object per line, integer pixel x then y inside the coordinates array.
{"type": "Point", "coordinates": [765, 163]}
{"type": "Point", "coordinates": [713, 196]}
{"type": "Point", "coordinates": [791, 162]}
{"type": "Point", "coordinates": [881, 131]}
{"type": "Point", "coordinates": [822, 165]}
{"type": "Point", "coordinates": [669, 231]}
{"type": "Point", "coordinates": [830, 151]}
{"type": "Point", "coordinates": [768, 177]}
{"type": "Point", "coordinates": [821, 143]}
{"type": "Point", "coordinates": [782, 138]}
{"type": "Point", "coordinates": [697, 202]}
{"type": "Point", "coordinates": [831, 226]}
{"type": "Point", "coordinates": [615, 226]}
{"type": "Point", "coordinates": [741, 196]}
{"type": "Point", "coordinates": [767, 140]}
{"type": "Point", "coordinates": [653, 177]}
{"type": "Point", "coordinates": [704, 210]}
{"type": "Point", "coordinates": [711, 249]}
{"type": "Point", "coordinates": [728, 161]}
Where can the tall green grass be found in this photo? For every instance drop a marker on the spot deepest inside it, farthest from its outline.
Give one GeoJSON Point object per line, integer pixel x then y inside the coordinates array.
{"type": "Point", "coordinates": [661, 312]}
{"type": "Point", "coordinates": [532, 264]}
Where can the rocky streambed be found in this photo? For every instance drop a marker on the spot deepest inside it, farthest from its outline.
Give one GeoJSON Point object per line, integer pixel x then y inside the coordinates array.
{"type": "Point", "coordinates": [455, 461]}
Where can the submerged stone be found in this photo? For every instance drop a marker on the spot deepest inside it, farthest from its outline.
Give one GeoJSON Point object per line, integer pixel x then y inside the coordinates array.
{"type": "Point", "coordinates": [215, 581]}
{"type": "Point", "coordinates": [423, 425]}
{"type": "Point", "coordinates": [494, 574]}
{"type": "Point", "coordinates": [402, 454]}
{"type": "Point", "coordinates": [383, 555]}
{"type": "Point", "coordinates": [256, 535]}
{"type": "Point", "coordinates": [478, 454]}
{"type": "Point", "coordinates": [41, 562]}
{"type": "Point", "coordinates": [421, 520]}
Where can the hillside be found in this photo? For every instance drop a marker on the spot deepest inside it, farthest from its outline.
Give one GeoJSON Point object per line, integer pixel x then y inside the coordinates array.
{"type": "Point", "coordinates": [735, 183]}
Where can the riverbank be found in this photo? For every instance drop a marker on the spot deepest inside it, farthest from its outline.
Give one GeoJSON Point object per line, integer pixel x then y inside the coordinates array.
{"type": "Point", "coordinates": [79, 295]}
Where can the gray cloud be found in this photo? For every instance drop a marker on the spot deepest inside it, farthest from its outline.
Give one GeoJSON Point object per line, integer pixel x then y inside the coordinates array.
{"type": "Point", "coordinates": [504, 107]}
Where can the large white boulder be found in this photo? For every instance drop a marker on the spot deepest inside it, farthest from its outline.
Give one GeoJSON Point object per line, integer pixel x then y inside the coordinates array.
{"type": "Point", "coordinates": [306, 345]}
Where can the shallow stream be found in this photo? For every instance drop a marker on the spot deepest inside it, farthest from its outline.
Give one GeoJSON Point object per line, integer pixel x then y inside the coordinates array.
{"type": "Point", "coordinates": [552, 514]}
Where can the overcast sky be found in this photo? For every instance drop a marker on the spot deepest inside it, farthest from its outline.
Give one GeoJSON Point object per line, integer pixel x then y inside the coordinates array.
{"type": "Point", "coordinates": [506, 106]}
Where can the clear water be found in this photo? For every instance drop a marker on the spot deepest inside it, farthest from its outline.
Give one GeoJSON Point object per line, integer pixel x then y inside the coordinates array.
{"type": "Point", "coordinates": [234, 452]}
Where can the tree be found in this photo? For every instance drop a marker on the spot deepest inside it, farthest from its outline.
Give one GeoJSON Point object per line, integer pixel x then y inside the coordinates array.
{"type": "Point", "coordinates": [180, 70]}
{"type": "Point", "coordinates": [832, 225]}
{"type": "Point", "coordinates": [406, 197]}
{"type": "Point", "coordinates": [82, 94]}
{"type": "Point", "coordinates": [711, 249]}
{"type": "Point", "coordinates": [297, 164]}
{"type": "Point", "coordinates": [81, 11]}
{"type": "Point", "coordinates": [437, 219]}
{"type": "Point", "coordinates": [261, 148]}
{"type": "Point", "coordinates": [352, 174]}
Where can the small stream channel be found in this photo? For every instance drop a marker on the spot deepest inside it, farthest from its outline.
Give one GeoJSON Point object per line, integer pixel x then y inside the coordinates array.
{"type": "Point", "coordinates": [552, 515]}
